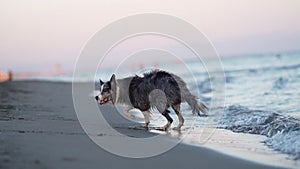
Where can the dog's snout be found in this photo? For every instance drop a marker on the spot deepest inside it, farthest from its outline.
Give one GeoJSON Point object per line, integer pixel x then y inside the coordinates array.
{"type": "Point", "coordinates": [97, 98]}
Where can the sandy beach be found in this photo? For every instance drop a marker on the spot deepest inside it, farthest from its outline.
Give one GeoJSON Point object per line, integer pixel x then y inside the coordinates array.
{"type": "Point", "coordinates": [40, 129]}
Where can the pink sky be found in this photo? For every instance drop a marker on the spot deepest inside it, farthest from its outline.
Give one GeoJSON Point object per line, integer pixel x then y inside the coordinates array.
{"type": "Point", "coordinates": [38, 34]}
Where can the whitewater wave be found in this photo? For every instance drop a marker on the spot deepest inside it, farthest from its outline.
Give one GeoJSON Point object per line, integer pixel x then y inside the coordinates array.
{"type": "Point", "coordinates": [283, 132]}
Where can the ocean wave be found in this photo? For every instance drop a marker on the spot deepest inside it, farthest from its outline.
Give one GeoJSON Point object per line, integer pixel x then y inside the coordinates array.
{"type": "Point", "coordinates": [288, 143]}
{"type": "Point", "coordinates": [283, 132]}
{"type": "Point", "coordinates": [205, 86]}
{"type": "Point", "coordinates": [263, 69]}
{"type": "Point", "coordinates": [280, 83]}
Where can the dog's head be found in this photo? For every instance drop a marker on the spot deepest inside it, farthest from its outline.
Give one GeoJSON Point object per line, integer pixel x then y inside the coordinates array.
{"type": "Point", "coordinates": [107, 91]}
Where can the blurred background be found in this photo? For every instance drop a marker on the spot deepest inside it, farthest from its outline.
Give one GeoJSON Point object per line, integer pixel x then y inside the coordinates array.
{"type": "Point", "coordinates": [44, 38]}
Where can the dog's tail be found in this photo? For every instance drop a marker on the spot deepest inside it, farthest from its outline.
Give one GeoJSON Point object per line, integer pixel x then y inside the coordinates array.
{"type": "Point", "coordinates": [197, 107]}
{"type": "Point", "coordinates": [186, 95]}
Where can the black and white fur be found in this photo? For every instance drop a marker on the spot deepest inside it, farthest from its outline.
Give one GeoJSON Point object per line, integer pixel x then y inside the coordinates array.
{"type": "Point", "coordinates": [156, 89]}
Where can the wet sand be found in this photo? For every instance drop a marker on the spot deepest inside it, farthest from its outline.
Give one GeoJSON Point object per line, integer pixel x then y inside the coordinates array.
{"type": "Point", "coordinates": [39, 129]}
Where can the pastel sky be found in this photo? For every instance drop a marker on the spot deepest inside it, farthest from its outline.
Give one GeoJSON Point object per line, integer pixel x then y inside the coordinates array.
{"type": "Point", "coordinates": [37, 34]}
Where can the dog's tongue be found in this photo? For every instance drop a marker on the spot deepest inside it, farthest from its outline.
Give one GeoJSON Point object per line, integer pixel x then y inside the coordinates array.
{"type": "Point", "coordinates": [103, 101]}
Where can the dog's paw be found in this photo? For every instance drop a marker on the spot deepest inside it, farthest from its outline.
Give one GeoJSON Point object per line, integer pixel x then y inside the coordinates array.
{"type": "Point", "coordinates": [146, 125]}
{"type": "Point", "coordinates": [166, 127]}
{"type": "Point", "coordinates": [177, 128]}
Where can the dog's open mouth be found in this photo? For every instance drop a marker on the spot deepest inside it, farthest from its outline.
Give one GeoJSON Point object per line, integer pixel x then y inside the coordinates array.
{"type": "Point", "coordinates": [105, 100]}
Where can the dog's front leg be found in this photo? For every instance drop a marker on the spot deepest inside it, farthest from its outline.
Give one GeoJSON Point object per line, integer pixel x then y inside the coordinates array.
{"type": "Point", "coordinates": [126, 112]}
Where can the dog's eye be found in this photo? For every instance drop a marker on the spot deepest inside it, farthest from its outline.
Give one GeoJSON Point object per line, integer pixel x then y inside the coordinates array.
{"type": "Point", "coordinates": [106, 89]}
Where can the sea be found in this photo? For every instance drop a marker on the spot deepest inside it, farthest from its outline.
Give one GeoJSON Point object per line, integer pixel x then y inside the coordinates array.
{"type": "Point", "coordinates": [261, 95]}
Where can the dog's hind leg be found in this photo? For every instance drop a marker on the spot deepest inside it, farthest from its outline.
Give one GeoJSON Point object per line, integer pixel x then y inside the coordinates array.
{"type": "Point", "coordinates": [176, 108]}
{"type": "Point", "coordinates": [170, 120]}
{"type": "Point", "coordinates": [147, 118]}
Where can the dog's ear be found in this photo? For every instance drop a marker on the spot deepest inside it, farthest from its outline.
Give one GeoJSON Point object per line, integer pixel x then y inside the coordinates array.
{"type": "Point", "coordinates": [113, 84]}
{"type": "Point", "coordinates": [113, 78]}
{"type": "Point", "coordinates": [101, 82]}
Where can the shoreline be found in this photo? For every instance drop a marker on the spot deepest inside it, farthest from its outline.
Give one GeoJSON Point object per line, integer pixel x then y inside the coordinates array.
{"type": "Point", "coordinates": [40, 129]}
{"type": "Point", "coordinates": [245, 146]}
{"type": "Point", "coordinates": [240, 145]}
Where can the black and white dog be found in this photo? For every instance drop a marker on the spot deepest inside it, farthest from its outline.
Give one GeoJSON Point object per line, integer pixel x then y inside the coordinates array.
{"type": "Point", "coordinates": [156, 89]}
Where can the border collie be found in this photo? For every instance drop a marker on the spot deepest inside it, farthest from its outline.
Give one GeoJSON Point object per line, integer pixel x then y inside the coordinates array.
{"type": "Point", "coordinates": [156, 89]}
